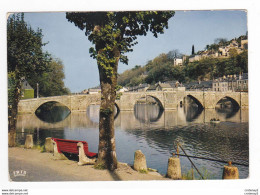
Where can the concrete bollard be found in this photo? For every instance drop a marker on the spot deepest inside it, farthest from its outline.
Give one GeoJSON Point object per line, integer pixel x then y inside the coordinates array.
{"type": "Point", "coordinates": [28, 142]}
{"type": "Point", "coordinates": [56, 154]}
{"type": "Point", "coordinates": [230, 172]}
{"type": "Point", "coordinates": [140, 161]}
{"type": "Point", "coordinates": [174, 168]}
{"type": "Point", "coordinates": [83, 159]}
{"type": "Point", "coordinates": [48, 145]}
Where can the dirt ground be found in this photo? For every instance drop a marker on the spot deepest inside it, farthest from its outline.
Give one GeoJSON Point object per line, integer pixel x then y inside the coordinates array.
{"type": "Point", "coordinates": [32, 165]}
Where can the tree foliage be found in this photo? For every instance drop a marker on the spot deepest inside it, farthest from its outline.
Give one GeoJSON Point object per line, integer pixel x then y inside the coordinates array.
{"type": "Point", "coordinates": [162, 69]}
{"type": "Point", "coordinates": [26, 59]}
{"type": "Point", "coordinates": [51, 80]}
{"type": "Point", "coordinates": [175, 53]}
{"type": "Point", "coordinates": [113, 34]}
{"type": "Point", "coordinates": [192, 50]}
{"type": "Point", "coordinates": [25, 56]}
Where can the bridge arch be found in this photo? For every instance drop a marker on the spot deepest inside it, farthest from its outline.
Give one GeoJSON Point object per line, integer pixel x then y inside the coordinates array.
{"type": "Point", "coordinates": [157, 99]}
{"type": "Point", "coordinates": [197, 101]}
{"type": "Point", "coordinates": [48, 101]}
{"type": "Point", "coordinates": [234, 102]}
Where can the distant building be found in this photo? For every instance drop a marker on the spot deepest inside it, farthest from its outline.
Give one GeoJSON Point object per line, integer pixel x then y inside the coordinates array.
{"type": "Point", "coordinates": [231, 83]}
{"type": "Point", "coordinates": [85, 91]}
{"type": "Point", "coordinates": [151, 88]}
{"type": "Point", "coordinates": [94, 90]}
{"type": "Point", "coordinates": [177, 61]}
{"type": "Point", "coordinates": [139, 88]}
{"type": "Point", "coordinates": [244, 44]}
{"type": "Point", "coordinates": [220, 85]}
{"type": "Point", "coordinates": [174, 83]}
{"type": "Point", "coordinates": [224, 51]}
{"type": "Point", "coordinates": [199, 86]}
{"type": "Point", "coordinates": [123, 90]}
{"type": "Point", "coordinates": [164, 87]}
{"type": "Point", "coordinates": [27, 91]}
{"type": "Point", "coordinates": [195, 58]}
{"type": "Point", "coordinates": [242, 82]}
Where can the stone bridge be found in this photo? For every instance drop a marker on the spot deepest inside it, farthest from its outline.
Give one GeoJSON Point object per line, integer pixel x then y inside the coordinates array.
{"type": "Point", "coordinates": [169, 100]}
{"type": "Point", "coordinates": [73, 102]}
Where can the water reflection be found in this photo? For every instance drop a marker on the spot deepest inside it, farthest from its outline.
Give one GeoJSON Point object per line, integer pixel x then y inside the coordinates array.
{"type": "Point", "coordinates": [154, 132]}
{"type": "Point", "coordinates": [93, 113]}
{"type": "Point", "coordinates": [192, 111]}
{"type": "Point", "coordinates": [147, 113]}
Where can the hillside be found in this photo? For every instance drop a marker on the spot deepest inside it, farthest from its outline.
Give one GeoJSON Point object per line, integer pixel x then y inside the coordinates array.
{"type": "Point", "coordinates": [163, 67]}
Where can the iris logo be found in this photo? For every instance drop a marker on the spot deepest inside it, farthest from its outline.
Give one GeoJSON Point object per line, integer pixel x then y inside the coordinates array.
{"type": "Point", "coordinates": [19, 173]}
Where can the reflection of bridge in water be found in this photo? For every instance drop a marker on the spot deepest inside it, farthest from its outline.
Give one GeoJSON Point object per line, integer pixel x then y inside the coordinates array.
{"type": "Point", "coordinates": [129, 120]}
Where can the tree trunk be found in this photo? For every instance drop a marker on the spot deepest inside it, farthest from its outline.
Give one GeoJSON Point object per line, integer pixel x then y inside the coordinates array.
{"type": "Point", "coordinates": [14, 112]}
{"type": "Point", "coordinates": [107, 148]}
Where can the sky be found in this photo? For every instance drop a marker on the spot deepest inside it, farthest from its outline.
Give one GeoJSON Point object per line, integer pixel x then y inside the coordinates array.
{"type": "Point", "coordinates": [186, 28]}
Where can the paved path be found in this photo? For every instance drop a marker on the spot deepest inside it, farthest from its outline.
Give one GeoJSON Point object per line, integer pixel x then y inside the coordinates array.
{"type": "Point", "coordinates": [42, 167]}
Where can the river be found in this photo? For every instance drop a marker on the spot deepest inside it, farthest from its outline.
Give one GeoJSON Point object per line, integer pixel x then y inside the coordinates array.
{"type": "Point", "coordinates": [154, 132]}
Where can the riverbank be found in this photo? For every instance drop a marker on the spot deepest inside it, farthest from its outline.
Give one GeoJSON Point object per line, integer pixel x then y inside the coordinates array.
{"type": "Point", "coordinates": [32, 165]}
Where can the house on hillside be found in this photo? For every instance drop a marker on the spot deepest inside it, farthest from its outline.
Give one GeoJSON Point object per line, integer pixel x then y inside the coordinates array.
{"type": "Point", "coordinates": [164, 87]}
{"type": "Point", "coordinates": [244, 44]}
{"type": "Point", "coordinates": [225, 51]}
{"type": "Point", "coordinates": [195, 58]}
{"type": "Point", "coordinates": [177, 61]}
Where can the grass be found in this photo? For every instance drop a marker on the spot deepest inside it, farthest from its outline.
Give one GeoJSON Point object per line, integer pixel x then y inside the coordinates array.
{"type": "Point", "coordinates": [39, 147]}
{"type": "Point", "coordinates": [144, 171]}
{"type": "Point", "coordinates": [205, 173]}
{"type": "Point", "coordinates": [99, 166]}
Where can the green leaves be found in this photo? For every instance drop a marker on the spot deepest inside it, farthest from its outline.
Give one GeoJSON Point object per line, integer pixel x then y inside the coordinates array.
{"type": "Point", "coordinates": [24, 48]}
{"type": "Point", "coordinates": [25, 58]}
{"type": "Point", "coordinates": [161, 69]}
{"type": "Point", "coordinates": [117, 31]}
